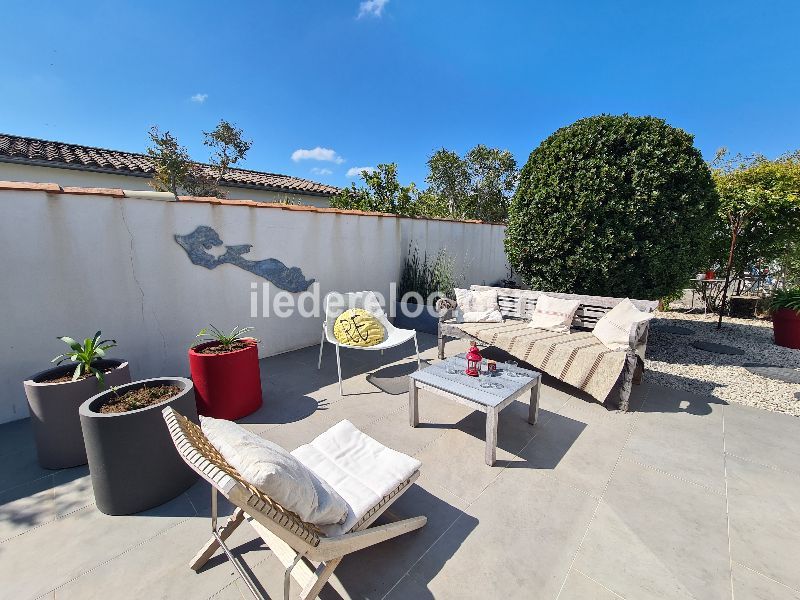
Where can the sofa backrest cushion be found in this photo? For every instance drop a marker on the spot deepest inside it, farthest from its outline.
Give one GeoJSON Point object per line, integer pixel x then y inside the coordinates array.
{"type": "Point", "coordinates": [519, 304]}
{"type": "Point", "coordinates": [555, 314]}
{"type": "Point", "coordinates": [477, 306]}
{"type": "Point", "coordinates": [614, 328]}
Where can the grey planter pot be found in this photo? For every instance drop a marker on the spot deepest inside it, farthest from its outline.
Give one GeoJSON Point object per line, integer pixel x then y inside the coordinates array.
{"type": "Point", "coordinates": [54, 411]}
{"type": "Point", "coordinates": [424, 322]}
{"type": "Point", "coordinates": [132, 460]}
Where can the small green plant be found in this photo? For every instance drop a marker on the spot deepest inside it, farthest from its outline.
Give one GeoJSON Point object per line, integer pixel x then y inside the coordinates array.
{"type": "Point", "coordinates": [225, 340]}
{"type": "Point", "coordinates": [789, 298]}
{"type": "Point", "coordinates": [427, 277]}
{"type": "Point", "coordinates": [84, 355]}
{"type": "Point", "coordinates": [665, 301]}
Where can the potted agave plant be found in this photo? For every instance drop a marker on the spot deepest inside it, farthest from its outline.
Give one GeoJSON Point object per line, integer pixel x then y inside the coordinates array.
{"type": "Point", "coordinates": [55, 395]}
{"type": "Point", "coordinates": [785, 309]}
{"type": "Point", "coordinates": [132, 460]}
{"type": "Point", "coordinates": [225, 372]}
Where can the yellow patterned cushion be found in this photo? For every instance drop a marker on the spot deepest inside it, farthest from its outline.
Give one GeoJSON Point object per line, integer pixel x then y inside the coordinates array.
{"type": "Point", "coordinates": [357, 327]}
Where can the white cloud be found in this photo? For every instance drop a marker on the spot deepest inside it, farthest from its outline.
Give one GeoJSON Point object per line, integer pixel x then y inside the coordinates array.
{"type": "Point", "coordinates": [356, 171]}
{"type": "Point", "coordinates": [325, 154]}
{"type": "Point", "coordinates": [199, 98]}
{"type": "Point", "coordinates": [371, 8]}
{"type": "Point", "coordinates": [319, 171]}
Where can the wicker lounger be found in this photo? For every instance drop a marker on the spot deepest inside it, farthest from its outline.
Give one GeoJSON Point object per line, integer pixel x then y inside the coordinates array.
{"type": "Point", "coordinates": [295, 542]}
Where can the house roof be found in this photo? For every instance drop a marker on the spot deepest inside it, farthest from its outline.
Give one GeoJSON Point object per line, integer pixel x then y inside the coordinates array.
{"type": "Point", "coordinates": [32, 151]}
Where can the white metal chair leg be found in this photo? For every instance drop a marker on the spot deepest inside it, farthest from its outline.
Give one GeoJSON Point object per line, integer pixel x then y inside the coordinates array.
{"type": "Point", "coordinates": [416, 347]}
{"type": "Point", "coordinates": [339, 369]}
{"type": "Point", "coordinates": [321, 344]}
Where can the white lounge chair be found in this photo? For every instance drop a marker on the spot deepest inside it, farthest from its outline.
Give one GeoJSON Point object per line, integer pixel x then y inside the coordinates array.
{"type": "Point", "coordinates": [336, 304]}
{"type": "Point", "coordinates": [296, 543]}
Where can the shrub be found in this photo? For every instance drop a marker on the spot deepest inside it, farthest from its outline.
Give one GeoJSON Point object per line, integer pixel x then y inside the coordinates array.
{"type": "Point", "coordinates": [428, 277]}
{"type": "Point", "coordinates": [612, 206]}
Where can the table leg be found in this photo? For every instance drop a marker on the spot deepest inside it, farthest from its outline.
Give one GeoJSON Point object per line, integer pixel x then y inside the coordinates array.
{"type": "Point", "coordinates": [491, 435]}
{"type": "Point", "coordinates": [533, 409]}
{"type": "Point", "coordinates": [413, 403]}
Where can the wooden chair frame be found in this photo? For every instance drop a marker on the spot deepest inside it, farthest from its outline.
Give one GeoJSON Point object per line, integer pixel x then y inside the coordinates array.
{"type": "Point", "coordinates": [296, 543]}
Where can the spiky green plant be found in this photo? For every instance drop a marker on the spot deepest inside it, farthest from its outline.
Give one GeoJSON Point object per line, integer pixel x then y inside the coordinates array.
{"type": "Point", "coordinates": [226, 340]}
{"type": "Point", "coordinates": [789, 298]}
{"type": "Point", "coordinates": [84, 355]}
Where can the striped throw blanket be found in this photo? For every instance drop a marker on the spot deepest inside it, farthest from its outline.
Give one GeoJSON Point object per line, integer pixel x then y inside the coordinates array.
{"type": "Point", "coordinates": [577, 358]}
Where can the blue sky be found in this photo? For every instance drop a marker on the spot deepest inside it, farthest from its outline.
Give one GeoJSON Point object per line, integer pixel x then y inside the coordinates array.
{"type": "Point", "coordinates": [357, 83]}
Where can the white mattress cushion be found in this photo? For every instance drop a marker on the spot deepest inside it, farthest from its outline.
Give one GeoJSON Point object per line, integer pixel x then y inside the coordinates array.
{"type": "Point", "coordinates": [614, 327]}
{"type": "Point", "coordinates": [360, 469]}
{"type": "Point", "coordinates": [477, 306]}
{"type": "Point", "coordinates": [275, 472]}
{"type": "Point", "coordinates": [555, 314]}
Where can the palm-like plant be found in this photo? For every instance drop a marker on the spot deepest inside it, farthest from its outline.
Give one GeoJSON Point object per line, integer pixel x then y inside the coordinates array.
{"type": "Point", "coordinates": [84, 355]}
{"type": "Point", "coordinates": [226, 340]}
{"type": "Point", "coordinates": [785, 299]}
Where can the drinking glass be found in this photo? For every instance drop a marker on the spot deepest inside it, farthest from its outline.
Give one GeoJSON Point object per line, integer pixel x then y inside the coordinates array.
{"type": "Point", "coordinates": [511, 368]}
{"type": "Point", "coordinates": [451, 365]}
{"type": "Point", "coordinates": [484, 379]}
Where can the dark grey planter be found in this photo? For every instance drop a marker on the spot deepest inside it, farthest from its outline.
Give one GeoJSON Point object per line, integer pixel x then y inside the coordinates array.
{"type": "Point", "coordinates": [54, 411]}
{"type": "Point", "coordinates": [424, 322]}
{"type": "Point", "coordinates": [132, 460]}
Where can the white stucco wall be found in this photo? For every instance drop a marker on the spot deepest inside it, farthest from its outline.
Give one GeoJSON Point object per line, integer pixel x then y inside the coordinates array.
{"type": "Point", "coordinates": [477, 250]}
{"type": "Point", "coordinates": [74, 264]}
{"type": "Point", "coordinates": [79, 178]}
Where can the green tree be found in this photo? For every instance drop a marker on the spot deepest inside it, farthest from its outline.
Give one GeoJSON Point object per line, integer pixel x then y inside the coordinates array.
{"type": "Point", "coordinates": [612, 206]}
{"type": "Point", "coordinates": [477, 186]}
{"type": "Point", "coordinates": [382, 192]}
{"type": "Point", "coordinates": [173, 167]}
{"type": "Point", "coordinates": [790, 265]}
{"type": "Point", "coordinates": [175, 172]}
{"type": "Point", "coordinates": [229, 148]}
{"type": "Point", "coordinates": [449, 180]}
{"type": "Point", "coordinates": [759, 212]}
{"type": "Point", "coordinates": [430, 205]}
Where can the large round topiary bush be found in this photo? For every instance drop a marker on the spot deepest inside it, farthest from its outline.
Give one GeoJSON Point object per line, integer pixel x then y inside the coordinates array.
{"type": "Point", "coordinates": [612, 206]}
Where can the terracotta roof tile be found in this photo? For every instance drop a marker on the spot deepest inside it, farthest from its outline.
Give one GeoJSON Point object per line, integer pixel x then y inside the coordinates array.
{"type": "Point", "coordinates": [34, 151]}
{"type": "Point", "coordinates": [54, 188]}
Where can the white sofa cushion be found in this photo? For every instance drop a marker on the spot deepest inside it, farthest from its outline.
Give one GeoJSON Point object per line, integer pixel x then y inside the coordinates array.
{"type": "Point", "coordinates": [554, 314]}
{"type": "Point", "coordinates": [275, 472]}
{"type": "Point", "coordinates": [360, 469]}
{"type": "Point", "coordinates": [477, 306]}
{"type": "Point", "coordinates": [614, 327]}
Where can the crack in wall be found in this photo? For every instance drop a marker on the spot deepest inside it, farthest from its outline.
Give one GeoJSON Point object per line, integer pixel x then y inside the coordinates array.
{"type": "Point", "coordinates": [138, 283]}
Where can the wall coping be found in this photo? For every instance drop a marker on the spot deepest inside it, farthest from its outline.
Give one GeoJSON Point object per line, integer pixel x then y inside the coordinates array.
{"type": "Point", "coordinates": [54, 188]}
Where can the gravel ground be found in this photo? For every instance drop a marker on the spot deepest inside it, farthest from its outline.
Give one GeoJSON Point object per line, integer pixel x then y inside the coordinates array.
{"type": "Point", "coordinates": [673, 362]}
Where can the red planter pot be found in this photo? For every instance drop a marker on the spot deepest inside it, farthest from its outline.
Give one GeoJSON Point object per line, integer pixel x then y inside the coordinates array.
{"type": "Point", "coordinates": [226, 386]}
{"type": "Point", "coordinates": [786, 326]}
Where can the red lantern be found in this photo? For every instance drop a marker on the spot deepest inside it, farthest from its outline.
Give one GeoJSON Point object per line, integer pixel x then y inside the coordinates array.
{"type": "Point", "coordinates": [474, 359]}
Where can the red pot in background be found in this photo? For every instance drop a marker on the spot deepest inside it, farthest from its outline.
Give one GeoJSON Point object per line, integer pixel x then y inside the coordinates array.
{"type": "Point", "coordinates": [226, 386]}
{"type": "Point", "coordinates": [786, 326]}
{"type": "Point", "coordinates": [711, 275]}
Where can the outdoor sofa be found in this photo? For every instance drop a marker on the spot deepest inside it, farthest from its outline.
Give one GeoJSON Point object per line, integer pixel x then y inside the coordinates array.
{"type": "Point", "coordinates": [577, 358]}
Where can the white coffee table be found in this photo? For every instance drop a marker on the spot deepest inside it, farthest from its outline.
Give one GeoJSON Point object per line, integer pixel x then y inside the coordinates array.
{"type": "Point", "coordinates": [466, 390]}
